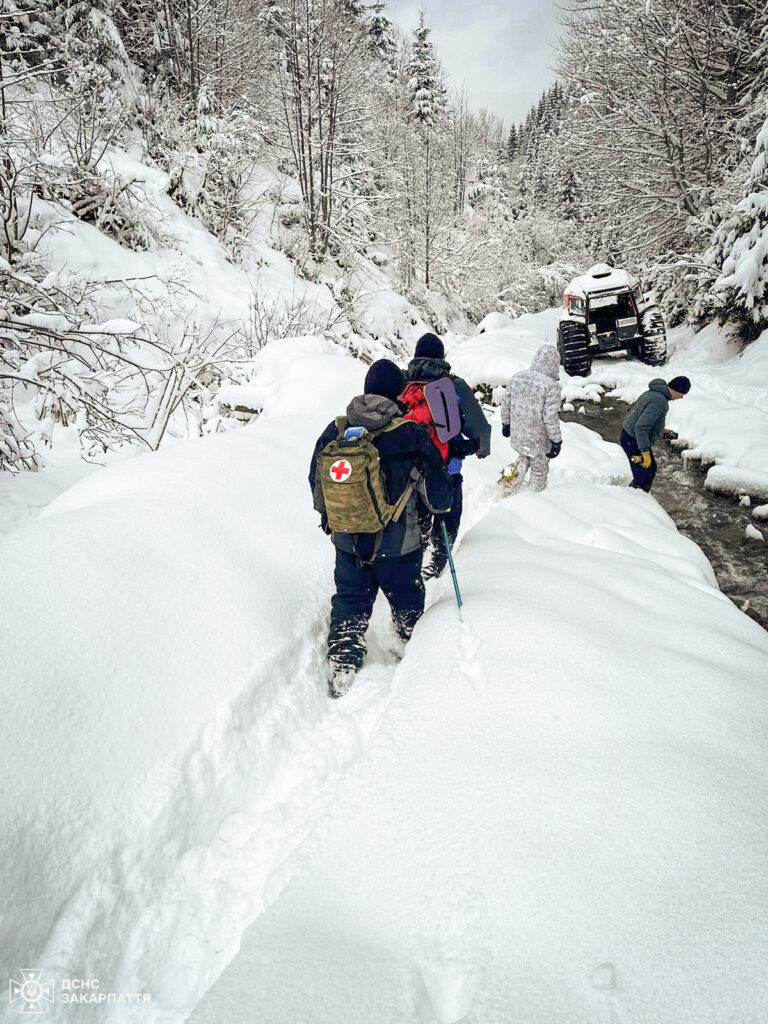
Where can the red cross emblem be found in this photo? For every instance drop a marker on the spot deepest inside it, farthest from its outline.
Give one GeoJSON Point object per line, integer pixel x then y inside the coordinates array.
{"type": "Point", "coordinates": [340, 470]}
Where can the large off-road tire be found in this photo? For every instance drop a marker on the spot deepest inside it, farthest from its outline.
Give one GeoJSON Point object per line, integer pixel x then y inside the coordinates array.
{"type": "Point", "coordinates": [572, 346]}
{"type": "Point", "coordinates": [653, 344]}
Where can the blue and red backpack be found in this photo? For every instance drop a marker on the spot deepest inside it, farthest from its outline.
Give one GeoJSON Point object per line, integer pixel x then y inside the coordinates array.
{"type": "Point", "coordinates": [436, 405]}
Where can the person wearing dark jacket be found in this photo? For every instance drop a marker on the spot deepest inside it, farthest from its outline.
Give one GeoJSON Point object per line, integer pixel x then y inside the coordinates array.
{"type": "Point", "coordinates": [643, 425]}
{"type": "Point", "coordinates": [391, 560]}
{"type": "Point", "coordinates": [429, 364]}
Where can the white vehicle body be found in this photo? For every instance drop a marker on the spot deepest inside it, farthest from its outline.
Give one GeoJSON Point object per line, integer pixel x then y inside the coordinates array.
{"type": "Point", "coordinates": [607, 309]}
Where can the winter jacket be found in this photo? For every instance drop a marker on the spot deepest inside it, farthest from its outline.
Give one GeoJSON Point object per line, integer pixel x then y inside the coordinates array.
{"type": "Point", "coordinates": [531, 403]}
{"type": "Point", "coordinates": [474, 425]}
{"type": "Point", "coordinates": [645, 420]}
{"type": "Point", "coordinates": [400, 450]}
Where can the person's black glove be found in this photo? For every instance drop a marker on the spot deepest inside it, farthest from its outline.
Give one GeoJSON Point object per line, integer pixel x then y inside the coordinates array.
{"type": "Point", "coordinates": [324, 524]}
{"type": "Point", "coordinates": [554, 451]}
{"type": "Point", "coordinates": [461, 447]}
{"type": "Point", "coordinates": [505, 430]}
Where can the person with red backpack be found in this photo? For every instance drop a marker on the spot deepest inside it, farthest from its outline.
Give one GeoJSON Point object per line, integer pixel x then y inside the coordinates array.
{"type": "Point", "coordinates": [447, 406]}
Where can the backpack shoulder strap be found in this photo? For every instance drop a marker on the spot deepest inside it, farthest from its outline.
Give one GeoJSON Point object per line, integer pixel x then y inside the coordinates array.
{"type": "Point", "coordinates": [393, 424]}
{"type": "Point", "coordinates": [341, 426]}
{"type": "Point", "coordinates": [414, 479]}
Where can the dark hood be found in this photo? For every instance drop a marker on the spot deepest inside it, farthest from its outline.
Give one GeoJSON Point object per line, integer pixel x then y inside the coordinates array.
{"type": "Point", "coordinates": [428, 369]}
{"type": "Point", "coordinates": [657, 384]}
{"type": "Point", "coordinates": [373, 412]}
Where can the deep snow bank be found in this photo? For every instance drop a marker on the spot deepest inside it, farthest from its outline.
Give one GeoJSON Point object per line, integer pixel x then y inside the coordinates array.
{"type": "Point", "coordinates": [493, 356]}
{"type": "Point", "coordinates": [166, 737]}
{"type": "Point", "coordinates": [564, 817]}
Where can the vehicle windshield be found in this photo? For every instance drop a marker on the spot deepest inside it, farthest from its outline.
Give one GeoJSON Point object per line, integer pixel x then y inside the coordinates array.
{"type": "Point", "coordinates": [622, 305]}
{"type": "Point", "coordinates": [610, 309]}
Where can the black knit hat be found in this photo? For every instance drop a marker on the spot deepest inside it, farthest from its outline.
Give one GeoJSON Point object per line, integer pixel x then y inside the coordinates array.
{"type": "Point", "coordinates": [429, 346]}
{"type": "Point", "coordinates": [680, 384]}
{"type": "Point", "coordinates": [384, 378]}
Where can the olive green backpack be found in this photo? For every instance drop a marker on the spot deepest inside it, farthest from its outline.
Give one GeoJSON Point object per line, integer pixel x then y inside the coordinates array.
{"type": "Point", "coordinates": [354, 497]}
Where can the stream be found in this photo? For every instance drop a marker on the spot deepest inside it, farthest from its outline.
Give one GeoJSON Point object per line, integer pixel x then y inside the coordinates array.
{"type": "Point", "coordinates": [715, 522]}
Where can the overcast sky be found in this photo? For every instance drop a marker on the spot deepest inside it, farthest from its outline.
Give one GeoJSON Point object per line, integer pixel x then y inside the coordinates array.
{"type": "Point", "coordinates": [502, 49]}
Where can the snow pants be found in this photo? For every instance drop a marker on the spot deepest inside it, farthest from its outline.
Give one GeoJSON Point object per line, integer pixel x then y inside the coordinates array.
{"type": "Point", "coordinates": [432, 530]}
{"type": "Point", "coordinates": [539, 467]}
{"type": "Point", "coordinates": [352, 604]}
{"type": "Point", "coordinates": [642, 479]}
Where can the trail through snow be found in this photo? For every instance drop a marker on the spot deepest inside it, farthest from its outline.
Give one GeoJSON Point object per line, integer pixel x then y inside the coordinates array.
{"type": "Point", "coordinates": [539, 830]}
{"type": "Point", "coordinates": [561, 819]}
{"type": "Point", "coordinates": [178, 701]}
{"type": "Point", "coordinates": [534, 812]}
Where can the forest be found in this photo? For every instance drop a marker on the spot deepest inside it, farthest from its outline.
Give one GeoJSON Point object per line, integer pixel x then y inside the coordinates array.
{"type": "Point", "coordinates": [649, 150]}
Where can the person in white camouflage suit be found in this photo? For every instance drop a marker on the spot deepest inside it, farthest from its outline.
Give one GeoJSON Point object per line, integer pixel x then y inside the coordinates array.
{"type": "Point", "coordinates": [529, 417]}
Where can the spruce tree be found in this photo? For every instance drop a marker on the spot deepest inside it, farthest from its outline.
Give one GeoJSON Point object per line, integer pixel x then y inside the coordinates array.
{"type": "Point", "coordinates": [512, 144]}
{"type": "Point", "coordinates": [569, 194]}
{"type": "Point", "coordinates": [426, 90]}
{"type": "Point", "coordinates": [426, 101]}
{"type": "Point", "coordinates": [355, 8]}
{"type": "Point", "coordinates": [380, 33]}
{"type": "Point", "coordinates": [740, 247]}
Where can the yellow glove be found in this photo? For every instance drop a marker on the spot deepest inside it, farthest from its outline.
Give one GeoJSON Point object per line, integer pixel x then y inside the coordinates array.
{"type": "Point", "coordinates": [644, 459]}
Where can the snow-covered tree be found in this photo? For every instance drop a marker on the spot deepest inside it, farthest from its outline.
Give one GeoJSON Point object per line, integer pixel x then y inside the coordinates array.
{"type": "Point", "coordinates": [381, 33]}
{"type": "Point", "coordinates": [655, 96]}
{"type": "Point", "coordinates": [739, 249]}
{"type": "Point", "coordinates": [425, 79]}
{"type": "Point", "coordinates": [427, 180]}
{"type": "Point", "coordinates": [512, 144]}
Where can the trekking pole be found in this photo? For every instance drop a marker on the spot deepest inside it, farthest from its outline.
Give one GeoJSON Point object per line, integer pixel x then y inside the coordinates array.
{"type": "Point", "coordinates": [450, 562]}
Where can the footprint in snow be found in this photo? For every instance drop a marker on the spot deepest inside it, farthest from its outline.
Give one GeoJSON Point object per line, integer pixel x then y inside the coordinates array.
{"type": "Point", "coordinates": [447, 990]}
{"type": "Point", "coordinates": [603, 977]}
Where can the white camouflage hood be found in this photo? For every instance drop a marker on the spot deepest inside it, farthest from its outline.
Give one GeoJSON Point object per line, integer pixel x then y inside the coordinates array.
{"type": "Point", "coordinates": [547, 361]}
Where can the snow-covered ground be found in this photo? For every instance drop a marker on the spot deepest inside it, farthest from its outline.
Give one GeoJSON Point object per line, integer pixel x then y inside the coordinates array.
{"type": "Point", "coordinates": [563, 817]}
{"type": "Point", "coordinates": [554, 811]}
{"type": "Point", "coordinates": [724, 419]}
{"type": "Point", "coordinates": [502, 349]}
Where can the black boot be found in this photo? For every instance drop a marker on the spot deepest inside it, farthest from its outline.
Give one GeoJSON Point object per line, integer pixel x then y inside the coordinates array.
{"type": "Point", "coordinates": [340, 679]}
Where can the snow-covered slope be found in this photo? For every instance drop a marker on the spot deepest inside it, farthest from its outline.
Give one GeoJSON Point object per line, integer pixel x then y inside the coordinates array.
{"type": "Point", "coordinates": [188, 277]}
{"type": "Point", "coordinates": [187, 286]}
{"type": "Point", "coordinates": [563, 818]}
{"type": "Point", "coordinates": [169, 744]}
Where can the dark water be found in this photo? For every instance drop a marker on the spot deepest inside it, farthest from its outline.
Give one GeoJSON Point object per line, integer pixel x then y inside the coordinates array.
{"type": "Point", "coordinates": [715, 522]}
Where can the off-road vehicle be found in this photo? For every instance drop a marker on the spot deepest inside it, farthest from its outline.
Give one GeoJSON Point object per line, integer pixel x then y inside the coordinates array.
{"type": "Point", "coordinates": [605, 311]}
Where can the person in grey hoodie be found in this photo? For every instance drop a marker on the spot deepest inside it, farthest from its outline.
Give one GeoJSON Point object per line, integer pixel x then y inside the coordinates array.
{"type": "Point", "coordinates": [644, 423]}
{"type": "Point", "coordinates": [391, 560]}
{"type": "Point", "coordinates": [529, 417]}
